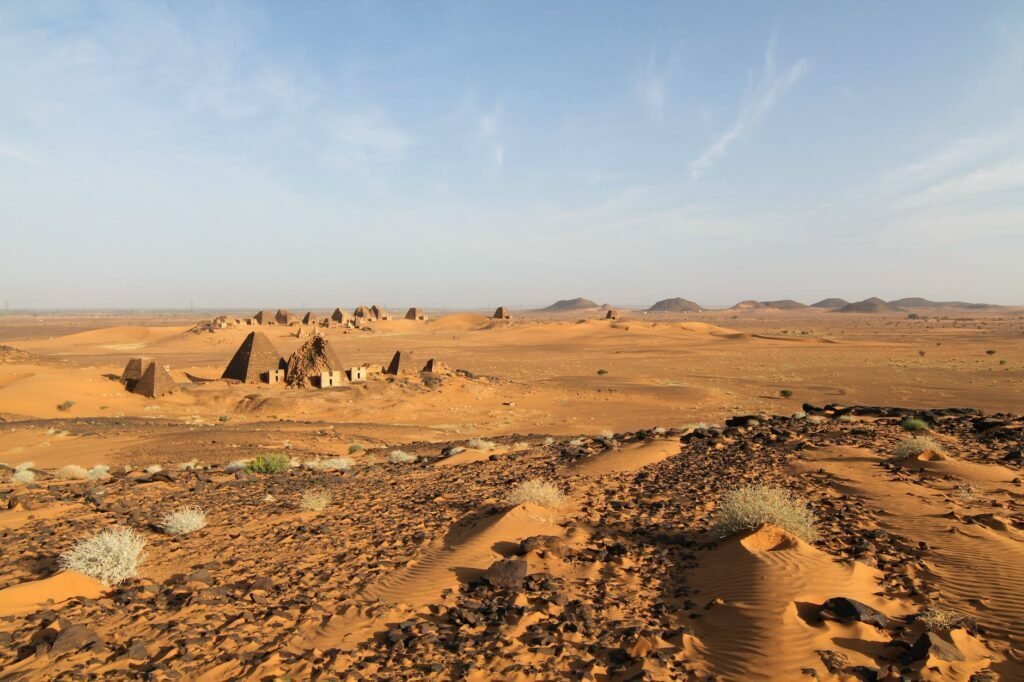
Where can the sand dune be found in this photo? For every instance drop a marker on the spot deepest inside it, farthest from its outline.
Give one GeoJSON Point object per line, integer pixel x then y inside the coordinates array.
{"type": "Point", "coordinates": [459, 321]}
{"type": "Point", "coordinates": [31, 596]}
{"type": "Point", "coordinates": [628, 458]}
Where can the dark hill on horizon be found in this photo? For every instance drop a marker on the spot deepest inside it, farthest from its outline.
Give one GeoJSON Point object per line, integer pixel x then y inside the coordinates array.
{"type": "Point", "coordinates": [784, 304]}
{"type": "Point", "coordinates": [831, 303]}
{"type": "Point", "coordinates": [675, 305]}
{"type": "Point", "coordinates": [569, 304]}
{"type": "Point", "coordinates": [869, 305]}
{"type": "Point", "coordinates": [918, 302]}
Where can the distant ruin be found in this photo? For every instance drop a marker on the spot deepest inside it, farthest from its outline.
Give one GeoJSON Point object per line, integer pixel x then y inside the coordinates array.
{"type": "Point", "coordinates": [155, 381]}
{"type": "Point", "coordinates": [416, 314]}
{"type": "Point", "coordinates": [307, 365]}
{"type": "Point", "coordinates": [502, 313]}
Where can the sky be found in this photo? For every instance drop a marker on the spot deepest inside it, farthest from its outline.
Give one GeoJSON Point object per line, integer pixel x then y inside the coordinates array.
{"type": "Point", "coordinates": [475, 154]}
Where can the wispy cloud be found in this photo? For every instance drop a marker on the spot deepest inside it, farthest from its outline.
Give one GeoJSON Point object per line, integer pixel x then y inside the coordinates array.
{"type": "Point", "coordinates": [760, 97]}
{"type": "Point", "coordinates": [652, 84]}
{"type": "Point", "coordinates": [490, 131]}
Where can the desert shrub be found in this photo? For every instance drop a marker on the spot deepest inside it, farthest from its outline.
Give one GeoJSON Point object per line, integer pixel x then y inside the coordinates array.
{"type": "Point", "coordinates": [481, 444]}
{"type": "Point", "coordinates": [966, 491]}
{"type": "Point", "coordinates": [786, 393]}
{"type": "Point", "coordinates": [938, 618]}
{"type": "Point", "coordinates": [693, 427]}
{"type": "Point", "coordinates": [190, 465]}
{"type": "Point", "coordinates": [607, 434]}
{"type": "Point", "coordinates": [816, 419]}
{"type": "Point", "coordinates": [549, 441]}
{"type": "Point", "coordinates": [354, 448]}
{"type": "Point", "coordinates": [183, 521]}
{"type": "Point", "coordinates": [911, 447]}
{"type": "Point", "coordinates": [799, 415]}
{"type": "Point", "coordinates": [66, 405]}
{"type": "Point", "coordinates": [602, 372]}
{"type": "Point", "coordinates": [99, 471]}
{"type": "Point", "coordinates": [752, 506]}
{"type": "Point", "coordinates": [401, 457]}
{"type": "Point", "coordinates": [914, 424]}
{"type": "Point", "coordinates": [112, 556]}
{"type": "Point", "coordinates": [72, 472]}
{"type": "Point", "coordinates": [315, 500]}
{"type": "Point", "coordinates": [659, 430]}
{"type": "Point", "coordinates": [154, 469]}
{"type": "Point", "coordinates": [224, 418]}
{"type": "Point", "coordinates": [24, 466]}
{"type": "Point", "coordinates": [537, 491]}
{"type": "Point", "coordinates": [24, 476]}
{"type": "Point", "coordinates": [268, 464]}
{"type": "Point", "coordinates": [990, 352]}
{"type": "Point", "coordinates": [330, 464]}
{"type": "Point", "coordinates": [237, 465]}
{"type": "Point", "coordinates": [577, 442]}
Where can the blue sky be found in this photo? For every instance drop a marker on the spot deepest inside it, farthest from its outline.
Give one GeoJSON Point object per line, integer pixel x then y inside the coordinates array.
{"type": "Point", "coordinates": [471, 154]}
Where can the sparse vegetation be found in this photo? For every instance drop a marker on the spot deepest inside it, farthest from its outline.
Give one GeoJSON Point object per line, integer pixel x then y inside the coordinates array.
{"type": "Point", "coordinates": [112, 556]}
{"type": "Point", "coordinates": [936, 618]}
{"type": "Point", "coordinates": [602, 372]}
{"type": "Point", "coordinates": [990, 352]}
{"type": "Point", "coordinates": [24, 476]}
{"type": "Point", "coordinates": [224, 418]}
{"type": "Point", "coordinates": [315, 500]}
{"type": "Point", "coordinates": [914, 424]}
{"type": "Point", "coordinates": [481, 444]}
{"type": "Point", "coordinates": [99, 471]}
{"type": "Point", "coordinates": [66, 405]}
{"type": "Point", "coordinates": [537, 491]}
{"type": "Point", "coordinates": [72, 472]}
{"type": "Point", "coordinates": [911, 447]}
{"type": "Point", "coordinates": [401, 457]}
{"type": "Point", "coordinates": [183, 521]}
{"type": "Point", "coordinates": [330, 464]}
{"type": "Point", "coordinates": [234, 467]}
{"type": "Point", "coordinates": [816, 419]}
{"type": "Point", "coordinates": [752, 506]}
{"type": "Point", "coordinates": [268, 464]}
{"type": "Point", "coordinates": [354, 448]}
{"type": "Point", "coordinates": [154, 469]}
{"type": "Point", "coordinates": [786, 393]}
{"type": "Point", "coordinates": [24, 466]}
{"type": "Point", "coordinates": [966, 491]}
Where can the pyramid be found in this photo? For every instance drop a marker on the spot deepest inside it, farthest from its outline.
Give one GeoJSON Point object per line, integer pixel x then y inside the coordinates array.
{"type": "Point", "coordinates": [310, 360]}
{"type": "Point", "coordinates": [364, 312]}
{"type": "Point", "coordinates": [416, 314]}
{"type": "Point", "coordinates": [253, 358]}
{"type": "Point", "coordinates": [402, 362]}
{"type": "Point", "coordinates": [502, 314]}
{"type": "Point", "coordinates": [265, 317]}
{"type": "Point", "coordinates": [283, 316]}
{"type": "Point", "coordinates": [379, 313]}
{"type": "Point", "coordinates": [133, 372]}
{"type": "Point", "coordinates": [310, 318]}
{"type": "Point", "coordinates": [340, 315]}
{"type": "Point", "coordinates": [155, 382]}
{"type": "Point", "coordinates": [435, 367]}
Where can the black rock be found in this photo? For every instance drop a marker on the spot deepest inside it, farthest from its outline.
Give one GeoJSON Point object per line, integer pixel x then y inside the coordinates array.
{"type": "Point", "coordinates": [506, 573]}
{"type": "Point", "coordinates": [843, 610]}
{"type": "Point", "coordinates": [75, 638]}
{"type": "Point", "coordinates": [932, 644]}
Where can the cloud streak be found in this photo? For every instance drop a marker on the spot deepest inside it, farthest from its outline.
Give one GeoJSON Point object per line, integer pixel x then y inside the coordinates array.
{"type": "Point", "coordinates": [760, 97]}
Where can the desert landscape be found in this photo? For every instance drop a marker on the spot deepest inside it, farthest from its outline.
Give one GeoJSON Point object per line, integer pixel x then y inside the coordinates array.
{"type": "Point", "coordinates": [486, 341]}
{"type": "Point", "coordinates": [769, 491]}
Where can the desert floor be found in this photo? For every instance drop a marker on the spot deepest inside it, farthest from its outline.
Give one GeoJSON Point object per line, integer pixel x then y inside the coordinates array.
{"type": "Point", "coordinates": [426, 570]}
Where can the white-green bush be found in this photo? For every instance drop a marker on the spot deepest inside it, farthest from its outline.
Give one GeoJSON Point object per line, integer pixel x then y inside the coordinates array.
{"type": "Point", "coordinates": [401, 457]}
{"type": "Point", "coordinates": [330, 464]}
{"type": "Point", "coordinates": [752, 506]}
{"type": "Point", "coordinates": [481, 444]}
{"type": "Point", "coordinates": [315, 500]}
{"type": "Point", "coordinates": [537, 491]}
{"type": "Point", "coordinates": [183, 521]}
{"type": "Point", "coordinates": [112, 556]}
{"type": "Point", "coordinates": [24, 476]}
{"type": "Point", "coordinates": [99, 471]}
{"type": "Point", "coordinates": [72, 472]}
{"type": "Point", "coordinates": [912, 447]}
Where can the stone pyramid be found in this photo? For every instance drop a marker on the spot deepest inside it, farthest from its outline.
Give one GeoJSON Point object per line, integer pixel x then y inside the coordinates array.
{"type": "Point", "coordinates": [155, 382]}
{"type": "Point", "coordinates": [253, 358]}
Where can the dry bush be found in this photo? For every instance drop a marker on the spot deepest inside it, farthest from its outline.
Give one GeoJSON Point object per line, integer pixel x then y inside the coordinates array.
{"type": "Point", "coordinates": [481, 444]}
{"type": "Point", "coordinates": [190, 465]}
{"type": "Point", "coordinates": [315, 500]}
{"type": "Point", "coordinates": [112, 556]}
{"type": "Point", "coordinates": [549, 441]}
{"type": "Point", "coordinates": [24, 466]}
{"type": "Point", "coordinates": [183, 521]}
{"type": "Point", "coordinates": [268, 464]}
{"type": "Point", "coordinates": [330, 464]}
{"type": "Point", "coordinates": [816, 419]}
{"type": "Point", "coordinates": [24, 476]}
{"type": "Point", "coordinates": [537, 491]}
{"type": "Point", "coordinates": [155, 469]}
{"type": "Point", "coordinates": [354, 448]}
{"type": "Point", "coordinates": [401, 457]}
{"type": "Point", "coordinates": [72, 472]}
{"type": "Point", "coordinates": [99, 471]}
{"type": "Point", "coordinates": [911, 447]}
{"type": "Point", "coordinates": [237, 465]}
{"type": "Point", "coordinates": [752, 506]}
{"type": "Point", "coordinates": [936, 618]}
{"type": "Point", "coordinates": [914, 424]}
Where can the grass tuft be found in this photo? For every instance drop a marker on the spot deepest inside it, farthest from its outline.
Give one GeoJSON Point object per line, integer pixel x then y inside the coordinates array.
{"type": "Point", "coordinates": [537, 491]}
{"type": "Point", "coordinates": [268, 464]}
{"type": "Point", "coordinates": [112, 556]}
{"type": "Point", "coordinates": [752, 506]}
{"type": "Point", "coordinates": [315, 500]}
{"type": "Point", "coordinates": [72, 472]}
{"type": "Point", "coordinates": [911, 447]}
{"type": "Point", "coordinates": [183, 521]}
{"type": "Point", "coordinates": [401, 457]}
{"type": "Point", "coordinates": [481, 444]}
{"type": "Point", "coordinates": [914, 424]}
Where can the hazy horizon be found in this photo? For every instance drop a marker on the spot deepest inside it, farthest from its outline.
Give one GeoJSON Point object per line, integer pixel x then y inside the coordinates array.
{"type": "Point", "coordinates": [466, 155]}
